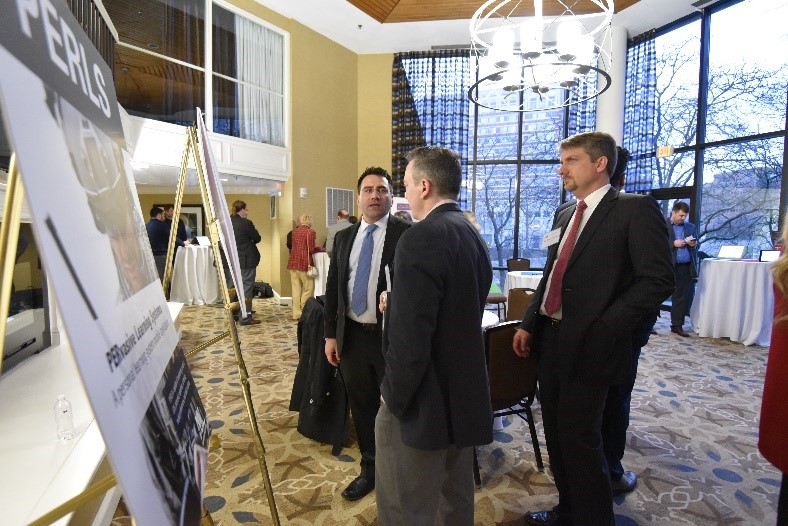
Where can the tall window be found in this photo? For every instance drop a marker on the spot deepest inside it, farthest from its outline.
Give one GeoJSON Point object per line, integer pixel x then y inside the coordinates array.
{"type": "Point", "coordinates": [513, 183]}
{"type": "Point", "coordinates": [161, 58]}
{"type": "Point", "coordinates": [720, 101]}
{"type": "Point", "coordinates": [248, 80]}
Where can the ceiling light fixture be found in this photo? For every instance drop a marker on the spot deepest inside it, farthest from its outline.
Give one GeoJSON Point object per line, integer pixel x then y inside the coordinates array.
{"type": "Point", "coordinates": [559, 60]}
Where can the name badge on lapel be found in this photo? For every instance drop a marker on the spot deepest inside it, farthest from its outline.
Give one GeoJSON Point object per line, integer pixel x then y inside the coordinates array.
{"type": "Point", "coordinates": [551, 238]}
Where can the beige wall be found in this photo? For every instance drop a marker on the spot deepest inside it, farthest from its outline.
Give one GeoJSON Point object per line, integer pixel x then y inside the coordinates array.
{"type": "Point", "coordinates": [340, 124]}
{"type": "Point", "coordinates": [374, 114]}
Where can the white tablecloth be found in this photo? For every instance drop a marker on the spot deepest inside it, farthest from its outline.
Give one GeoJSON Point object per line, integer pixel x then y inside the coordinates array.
{"type": "Point", "coordinates": [734, 299]}
{"type": "Point", "coordinates": [489, 319]}
{"type": "Point", "coordinates": [321, 261]}
{"type": "Point", "coordinates": [522, 279]}
{"type": "Point", "coordinates": [194, 279]}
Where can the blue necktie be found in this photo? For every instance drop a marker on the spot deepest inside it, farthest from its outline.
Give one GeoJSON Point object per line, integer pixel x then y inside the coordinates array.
{"type": "Point", "coordinates": [358, 303]}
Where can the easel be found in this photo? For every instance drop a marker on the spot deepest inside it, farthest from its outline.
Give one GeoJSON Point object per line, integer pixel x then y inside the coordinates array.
{"type": "Point", "coordinates": [192, 149]}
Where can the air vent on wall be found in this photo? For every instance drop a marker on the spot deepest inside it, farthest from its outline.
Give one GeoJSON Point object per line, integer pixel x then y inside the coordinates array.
{"type": "Point", "coordinates": [337, 199]}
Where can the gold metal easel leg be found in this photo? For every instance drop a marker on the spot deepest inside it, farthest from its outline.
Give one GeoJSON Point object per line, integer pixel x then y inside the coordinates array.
{"type": "Point", "coordinates": [253, 419]}
{"type": "Point", "coordinates": [94, 491]}
{"type": "Point", "coordinates": [206, 520]}
{"type": "Point", "coordinates": [9, 238]}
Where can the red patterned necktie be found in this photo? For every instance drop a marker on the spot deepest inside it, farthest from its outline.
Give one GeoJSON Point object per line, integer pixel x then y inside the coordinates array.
{"type": "Point", "coordinates": [553, 301]}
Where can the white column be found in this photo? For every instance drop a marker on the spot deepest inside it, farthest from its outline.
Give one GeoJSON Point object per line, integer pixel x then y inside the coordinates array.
{"type": "Point", "coordinates": [610, 105]}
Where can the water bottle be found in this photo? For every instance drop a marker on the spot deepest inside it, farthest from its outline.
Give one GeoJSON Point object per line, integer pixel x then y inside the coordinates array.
{"type": "Point", "coordinates": [64, 419]}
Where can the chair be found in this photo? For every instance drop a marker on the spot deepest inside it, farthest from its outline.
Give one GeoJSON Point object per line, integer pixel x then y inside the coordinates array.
{"type": "Point", "coordinates": [497, 299]}
{"type": "Point", "coordinates": [518, 264]}
{"type": "Point", "coordinates": [519, 299]}
{"type": "Point", "coordinates": [512, 383]}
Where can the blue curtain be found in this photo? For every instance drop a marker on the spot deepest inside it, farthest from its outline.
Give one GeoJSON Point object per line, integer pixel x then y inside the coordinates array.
{"type": "Point", "coordinates": [640, 113]}
{"type": "Point", "coordinates": [582, 115]}
{"type": "Point", "coordinates": [430, 105]}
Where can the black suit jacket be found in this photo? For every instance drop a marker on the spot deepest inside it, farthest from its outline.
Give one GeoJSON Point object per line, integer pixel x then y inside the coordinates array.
{"type": "Point", "coordinates": [436, 377]}
{"type": "Point", "coordinates": [337, 301]}
{"type": "Point", "coordinates": [246, 239]}
{"type": "Point", "coordinates": [689, 230]}
{"type": "Point", "coordinates": [619, 271]}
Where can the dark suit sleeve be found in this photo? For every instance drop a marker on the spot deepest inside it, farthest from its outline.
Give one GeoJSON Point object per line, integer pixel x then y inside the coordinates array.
{"type": "Point", "coordinates": [332, 284]}
{"type": "Point", "coordinates": [653, 276]}
{"type": "Point", "coordinates": [252, 232]}
{"type": "Point", "coordinates": [181, 230]}
{"type": "Point", "coordinates": [417, 292]}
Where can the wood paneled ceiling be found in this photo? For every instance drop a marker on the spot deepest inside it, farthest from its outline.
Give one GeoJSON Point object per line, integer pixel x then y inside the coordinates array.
{"type": "Point", "coordinates": [391, 11]}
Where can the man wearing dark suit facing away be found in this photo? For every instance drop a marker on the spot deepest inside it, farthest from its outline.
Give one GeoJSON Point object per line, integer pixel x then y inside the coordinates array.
{"type": "Point", "coordinates": [353, 325]}
{"type": "Point", "coordinates": [436, 399]}
{"type": "Point", "coordinates": [608, 265]}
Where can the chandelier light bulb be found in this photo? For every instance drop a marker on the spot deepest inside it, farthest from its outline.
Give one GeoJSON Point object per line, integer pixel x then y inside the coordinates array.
{"type": "Point", "coordinates": [531, 39]}
{"type": "Point", "coordinates": [503, 48]}
{"type": "Point", "coordinates": [568, 35]}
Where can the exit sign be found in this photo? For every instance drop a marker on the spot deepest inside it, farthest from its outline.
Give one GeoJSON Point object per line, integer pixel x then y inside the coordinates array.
{"type": "Point", "coordinates": [664, 151]}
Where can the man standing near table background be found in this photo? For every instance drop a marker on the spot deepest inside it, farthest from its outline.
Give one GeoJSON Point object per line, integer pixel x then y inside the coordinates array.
{"type": "Point", "coordinates": [603, 275]}
{"type": "Point", "coordinates": [341, 224]}
{"type": "Point", "coordinates": [684, 245]}
{"type": "Point", "coordinates": [169, 211]}
{"type": "Point", "coordinates": [353, 328]}
{"type": "Point", "coordinates": [436, 398]}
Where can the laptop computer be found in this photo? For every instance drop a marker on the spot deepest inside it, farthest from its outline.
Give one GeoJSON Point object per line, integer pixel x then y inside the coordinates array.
{"type": "Point", "coordinates": [731, 252]}
{"type": "Point", "coordinates": [769, 255]}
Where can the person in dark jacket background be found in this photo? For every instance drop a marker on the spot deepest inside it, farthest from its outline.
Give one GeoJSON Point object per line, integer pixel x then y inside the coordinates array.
{"type": "Point", "coordinates": [246, 239]}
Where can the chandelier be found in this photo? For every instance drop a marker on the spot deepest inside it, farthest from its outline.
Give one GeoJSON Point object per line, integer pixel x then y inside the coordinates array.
{"type": "Point", "coordinates": [560, 59]}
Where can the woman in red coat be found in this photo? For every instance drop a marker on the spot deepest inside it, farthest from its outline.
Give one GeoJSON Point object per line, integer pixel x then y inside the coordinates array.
{"type": "Point", "coordinates": [773, 437]}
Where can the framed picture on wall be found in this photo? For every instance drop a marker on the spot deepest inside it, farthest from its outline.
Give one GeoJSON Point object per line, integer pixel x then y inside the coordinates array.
{"type": "Point", "coordinates": [273, 207]}
{"type": "Point", "coordinates": [194, 218]}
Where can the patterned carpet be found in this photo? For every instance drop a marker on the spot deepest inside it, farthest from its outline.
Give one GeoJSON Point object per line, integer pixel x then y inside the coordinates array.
{"type": "Point", "coordinates": [693, 438]}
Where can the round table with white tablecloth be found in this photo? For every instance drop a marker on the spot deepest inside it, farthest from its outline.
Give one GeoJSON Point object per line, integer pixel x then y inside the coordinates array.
{"type": "Point", "coordinates": [734, 299]}
{"type": "Point", "coordinates": [194, 279]}
{"type": "Point", "coordinates": [522, 279]}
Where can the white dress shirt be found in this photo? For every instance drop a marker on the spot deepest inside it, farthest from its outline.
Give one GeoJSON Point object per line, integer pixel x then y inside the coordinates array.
{"type": "Point", "coordinates": [378, 238]}
{"type": "Point", "coordinates": [592, 200]}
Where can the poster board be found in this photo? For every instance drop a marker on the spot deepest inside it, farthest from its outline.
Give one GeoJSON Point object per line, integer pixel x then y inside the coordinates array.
{"type": "Point", "coordinates": [221, 212]}
{"type": "Point", "coordinates": [61, 112]}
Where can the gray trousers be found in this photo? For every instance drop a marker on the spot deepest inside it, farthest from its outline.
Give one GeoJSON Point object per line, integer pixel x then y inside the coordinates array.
{"type": "Point", "coordinates": [420, 488]}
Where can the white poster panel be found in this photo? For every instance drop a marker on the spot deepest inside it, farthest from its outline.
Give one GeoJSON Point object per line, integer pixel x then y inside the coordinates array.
{"type": "Point", "coordinates": [61, 113]}
{"type": "Point", "coordinates": [221, 212]}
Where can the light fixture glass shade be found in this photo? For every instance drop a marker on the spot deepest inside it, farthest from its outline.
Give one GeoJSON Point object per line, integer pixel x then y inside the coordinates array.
{"type": "Point", "coordinates": [503, 48]}
{"type": "Point", "coordinates": [531, 38]}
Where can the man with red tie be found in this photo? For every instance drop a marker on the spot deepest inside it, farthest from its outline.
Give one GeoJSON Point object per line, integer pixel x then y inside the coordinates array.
{"type": "Point", "coordinates": [608, 264]}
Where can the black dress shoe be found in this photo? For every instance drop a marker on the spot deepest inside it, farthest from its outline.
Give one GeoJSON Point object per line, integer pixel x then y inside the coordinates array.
{"type": "Point", "coordinates": [627, 483]}
{"type": "Point", "coordinates": [543, 518]}
{"type": "Point", "coordinates": [359, 488]}
{"type": "Point", "coordinates": [679, 331]}
{"type": "Point", "coordinates": [249, 321]}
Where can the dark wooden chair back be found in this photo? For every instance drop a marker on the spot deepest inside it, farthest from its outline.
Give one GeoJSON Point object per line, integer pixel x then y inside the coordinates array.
{"type": "Point", "coordinates": [518, 264]}
{"type": "Point", "coordinates": [519, 299]}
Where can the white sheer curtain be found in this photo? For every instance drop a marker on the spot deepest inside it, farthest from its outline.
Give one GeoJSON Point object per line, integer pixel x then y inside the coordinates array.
{"type": "Point", "coordinates": [259, 62]}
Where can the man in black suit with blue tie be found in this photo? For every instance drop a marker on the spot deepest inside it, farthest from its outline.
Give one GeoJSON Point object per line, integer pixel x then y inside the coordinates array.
{"type": "Point", "coordinates": [608, 265]}
{"type": "Point", "coordinates": [353, 328]}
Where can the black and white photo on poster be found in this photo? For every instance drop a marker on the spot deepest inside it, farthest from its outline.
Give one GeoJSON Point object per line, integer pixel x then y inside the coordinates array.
{"type": "Point", "coordinates": [63, 123]}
